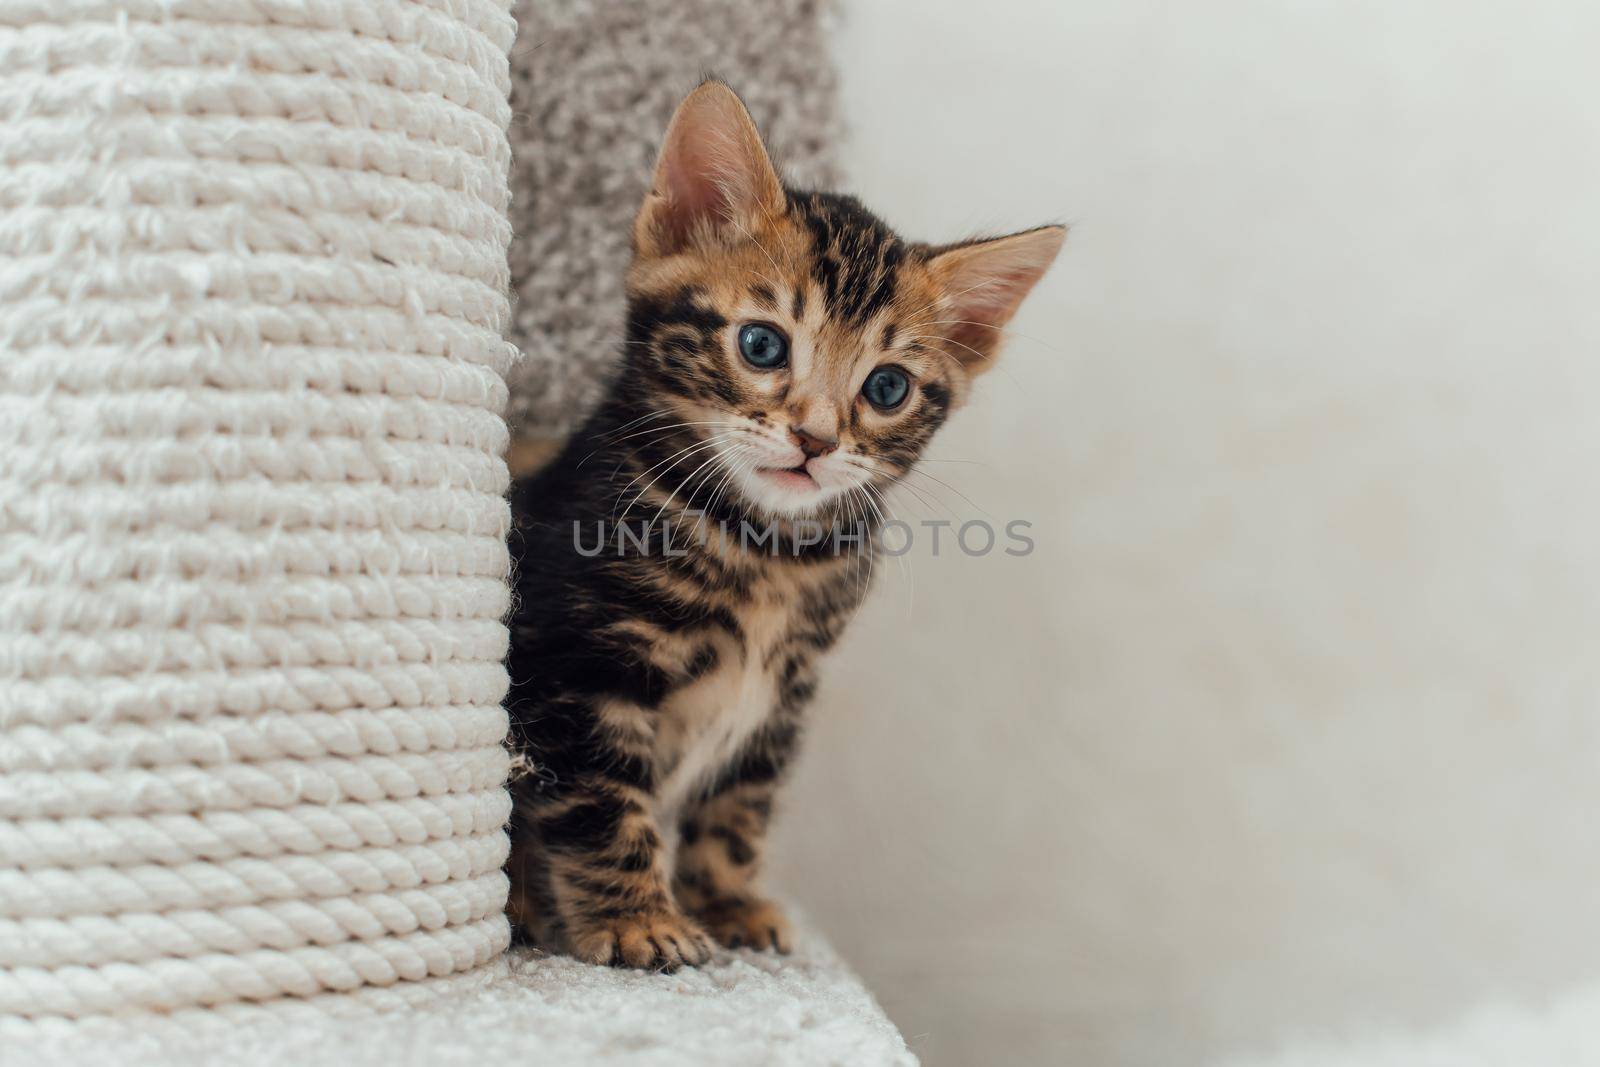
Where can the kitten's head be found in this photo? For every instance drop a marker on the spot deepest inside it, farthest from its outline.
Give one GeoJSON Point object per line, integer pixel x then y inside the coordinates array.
{"type": "Point", "coordinates": [806, 347]}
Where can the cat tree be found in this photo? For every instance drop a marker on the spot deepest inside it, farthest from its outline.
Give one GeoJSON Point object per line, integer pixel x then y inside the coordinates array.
{"type": "Point", "coordinates": [253, 283]}
{"type": "Point", "coordinates": [251, 515]}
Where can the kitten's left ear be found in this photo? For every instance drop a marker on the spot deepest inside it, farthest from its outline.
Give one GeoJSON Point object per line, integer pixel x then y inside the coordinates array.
{"type": "Point", "coordinates": [983, 284]}
{"type": "Point", "coordinates": [713, 171]}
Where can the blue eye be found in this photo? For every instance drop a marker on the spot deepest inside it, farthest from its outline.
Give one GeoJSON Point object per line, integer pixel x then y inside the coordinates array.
{"type": "Point", "coordinates": [762, 346]}
{"type": "Point", "coordinates": [886, 387]}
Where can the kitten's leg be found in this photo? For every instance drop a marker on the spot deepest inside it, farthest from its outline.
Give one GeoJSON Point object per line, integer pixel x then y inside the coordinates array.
{"type": "Point", "coordinates": [603, 859]}
{"type": "Point", "coordinates": [531, 907]}
{"type": "Point", "coordinates": [721, 841]}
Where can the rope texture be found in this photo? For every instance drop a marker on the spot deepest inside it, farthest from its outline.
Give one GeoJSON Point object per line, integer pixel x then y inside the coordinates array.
{"type": "Point", "coordinates": [252, 519]}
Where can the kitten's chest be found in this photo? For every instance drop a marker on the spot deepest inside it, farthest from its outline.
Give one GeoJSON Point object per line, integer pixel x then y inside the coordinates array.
{"type": "Point", "coordinates": [705, 723]}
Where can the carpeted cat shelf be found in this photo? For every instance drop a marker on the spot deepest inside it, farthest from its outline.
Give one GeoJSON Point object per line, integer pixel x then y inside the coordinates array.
{"type": "Point", "coordinates": [253, 289]}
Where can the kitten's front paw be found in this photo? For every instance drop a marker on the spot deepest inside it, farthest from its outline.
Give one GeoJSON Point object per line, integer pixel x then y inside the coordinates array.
{"type": "Point", "coordinates": [747, 922]}
{"type": "Point", "coordinates": [652, 940]}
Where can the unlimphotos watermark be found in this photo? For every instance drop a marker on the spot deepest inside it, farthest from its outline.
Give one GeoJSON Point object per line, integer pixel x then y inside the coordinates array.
{"type": "Point", "coordinates": [894, 537]}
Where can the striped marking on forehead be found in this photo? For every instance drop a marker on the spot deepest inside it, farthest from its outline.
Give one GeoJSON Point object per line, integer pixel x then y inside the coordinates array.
{"type": "Point", "coordinates": [764, 296]}
{"type": "Point", "coordinates": [855, 258]}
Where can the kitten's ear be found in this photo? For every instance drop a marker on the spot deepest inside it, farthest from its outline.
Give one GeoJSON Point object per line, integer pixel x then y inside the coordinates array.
{"type": "Point", "coordinates": [984, 282]}
{"type": "Point", "coordinates": [713, 171]}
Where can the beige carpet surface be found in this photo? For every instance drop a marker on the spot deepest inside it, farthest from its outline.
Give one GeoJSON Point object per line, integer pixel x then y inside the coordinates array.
{"type": "Point", "coordinates": [527, 1010]}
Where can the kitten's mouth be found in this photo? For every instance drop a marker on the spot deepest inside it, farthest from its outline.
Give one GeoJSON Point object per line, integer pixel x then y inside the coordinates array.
{"type": "Point", "coordinates": [795, 478]}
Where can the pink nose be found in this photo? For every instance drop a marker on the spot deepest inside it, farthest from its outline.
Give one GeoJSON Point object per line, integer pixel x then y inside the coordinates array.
{"type": "Point", "coordinates": [812, 446]}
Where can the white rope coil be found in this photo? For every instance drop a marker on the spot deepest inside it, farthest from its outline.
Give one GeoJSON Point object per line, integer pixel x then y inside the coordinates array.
{"type": "Point", "coordinates": [252, 517]}
{"type": "Point", "coordinates": [182, 1024]}
{"type": "Point", "coordinates": [277, 735]}
{"type": "Point", "coordinates": [121, 840]}
{"type": "Point", "coordinates": [166, 983]}
{"type": "Point", "coordinates": [135, 937]}
{"type": "Point", "coordinates": [64, 892]}
{"type": "Point", "coordinates": [243, 785]}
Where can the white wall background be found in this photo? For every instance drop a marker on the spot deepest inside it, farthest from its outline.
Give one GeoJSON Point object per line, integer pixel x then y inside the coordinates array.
{"type": "Point", "coordinates": [1290, 724]}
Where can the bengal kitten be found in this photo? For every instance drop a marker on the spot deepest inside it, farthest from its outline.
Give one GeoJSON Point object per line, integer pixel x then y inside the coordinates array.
{"type": "Point", "coordinates": [787, 360]}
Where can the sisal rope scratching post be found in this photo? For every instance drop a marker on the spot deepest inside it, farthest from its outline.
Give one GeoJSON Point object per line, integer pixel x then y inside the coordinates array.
{"type": "Point", "coordinates": [252, 558]}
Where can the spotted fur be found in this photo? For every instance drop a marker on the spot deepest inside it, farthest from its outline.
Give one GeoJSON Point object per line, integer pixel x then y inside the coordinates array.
{"type": "Point", "coordinates": [659, 679]}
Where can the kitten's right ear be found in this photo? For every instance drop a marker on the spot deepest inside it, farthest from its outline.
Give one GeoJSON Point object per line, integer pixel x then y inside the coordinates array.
{"type": "Point", "coordinates": [983, 284]}
{"type": "Point", "coordinates": [713, 171]}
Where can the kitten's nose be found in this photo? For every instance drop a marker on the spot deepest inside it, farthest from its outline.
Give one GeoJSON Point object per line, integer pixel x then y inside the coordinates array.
{"type": "Point", "coordinates": [811, 445]}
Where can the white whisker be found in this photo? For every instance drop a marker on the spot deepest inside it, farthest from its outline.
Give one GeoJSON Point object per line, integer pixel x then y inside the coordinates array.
{"type": "Point", "coordinates": [706, 443]}
{"type": "Point", "coordinates": [882, 506]}
{"type": "Point", "coordinates": [652, 431]}
{"type": "Point", "coordinates": [953, 489]}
